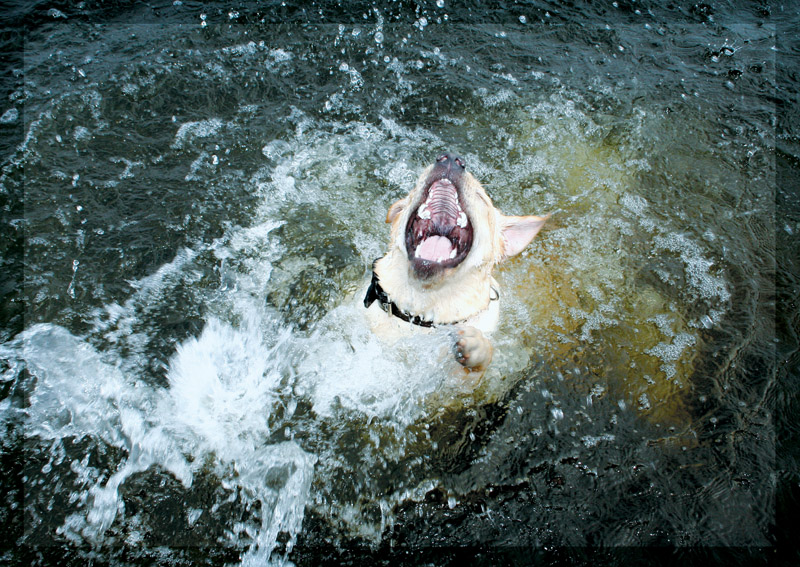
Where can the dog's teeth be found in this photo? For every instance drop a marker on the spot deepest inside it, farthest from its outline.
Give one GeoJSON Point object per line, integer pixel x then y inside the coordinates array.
{"type": "Point", "coordinates": [423, 211]}
{"type": "Point", "coordinates": [452, 254]}
{"type": "Point", "coordinates": [462, 219]}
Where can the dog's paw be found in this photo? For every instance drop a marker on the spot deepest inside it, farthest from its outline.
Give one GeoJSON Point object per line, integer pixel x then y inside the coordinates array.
{"type": "Point", "coordinates": [473, 350]}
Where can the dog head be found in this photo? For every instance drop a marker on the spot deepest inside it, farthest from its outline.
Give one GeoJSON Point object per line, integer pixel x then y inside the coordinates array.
{"type": "Point", "coordinates": [447, 226]}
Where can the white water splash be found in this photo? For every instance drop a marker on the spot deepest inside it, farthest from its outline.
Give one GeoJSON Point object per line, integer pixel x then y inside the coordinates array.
{"type": "Point", "coordinates": [348, 366]}
{"type": "Point", "coordinates": [223, 387]}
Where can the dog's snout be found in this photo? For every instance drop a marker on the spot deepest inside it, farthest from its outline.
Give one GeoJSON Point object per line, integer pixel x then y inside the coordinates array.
{"type": "Point", "coordinates": [449, 160]}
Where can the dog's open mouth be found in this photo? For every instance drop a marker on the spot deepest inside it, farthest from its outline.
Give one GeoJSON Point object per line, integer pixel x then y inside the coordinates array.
{"type": "Point", "coordinates": [439, 232]}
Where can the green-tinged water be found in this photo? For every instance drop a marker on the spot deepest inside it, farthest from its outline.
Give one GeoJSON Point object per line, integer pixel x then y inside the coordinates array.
{"type": "Point", "coordinates": [192, 381]}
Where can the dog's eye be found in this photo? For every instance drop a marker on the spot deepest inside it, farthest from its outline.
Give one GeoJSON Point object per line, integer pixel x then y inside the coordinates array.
{"type": "Point", "coordinates": [441, 158]}
{"type": "Point", "coordinates": [460, 162]}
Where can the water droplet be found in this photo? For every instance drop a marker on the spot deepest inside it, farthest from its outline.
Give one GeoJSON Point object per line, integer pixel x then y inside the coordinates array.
{"type": "Point", "coordinates": [523, 20]}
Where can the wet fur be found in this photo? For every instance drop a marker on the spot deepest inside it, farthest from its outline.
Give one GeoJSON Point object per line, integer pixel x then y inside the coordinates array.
{"type": "Point", "coordinates": [461, 295]}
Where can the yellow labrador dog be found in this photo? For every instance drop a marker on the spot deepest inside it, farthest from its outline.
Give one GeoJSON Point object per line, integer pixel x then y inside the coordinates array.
{"type": "Point", "coordinates": [446, 238]}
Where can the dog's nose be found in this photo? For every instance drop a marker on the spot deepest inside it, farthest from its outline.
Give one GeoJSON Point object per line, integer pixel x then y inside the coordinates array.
{"type": "Point", "coordinates": [449, 160]}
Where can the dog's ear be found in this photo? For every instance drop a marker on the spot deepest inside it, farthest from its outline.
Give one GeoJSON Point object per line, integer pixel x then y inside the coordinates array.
{"type": "Point", "coordinates": [395, 210]}
{"type": "Point", "coordinates": [518, 232]}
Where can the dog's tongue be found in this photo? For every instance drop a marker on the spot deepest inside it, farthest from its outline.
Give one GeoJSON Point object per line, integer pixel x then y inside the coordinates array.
{"type": "Point", "coordinates": [435, 249]}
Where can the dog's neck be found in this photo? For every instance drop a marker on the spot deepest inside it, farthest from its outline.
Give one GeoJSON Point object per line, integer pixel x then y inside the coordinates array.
{"type": "Point", "coordinates": [431, 304]}
{"type": "Point", "coordinates": [375, 292]}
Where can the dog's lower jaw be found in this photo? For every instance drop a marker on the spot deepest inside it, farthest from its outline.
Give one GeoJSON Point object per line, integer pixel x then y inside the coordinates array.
{"type": "Point", "coordinates": [426, 277]}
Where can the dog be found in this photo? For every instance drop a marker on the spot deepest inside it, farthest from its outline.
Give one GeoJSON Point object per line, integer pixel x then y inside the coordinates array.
{"type": "Point", "coordinates": [446, 239]}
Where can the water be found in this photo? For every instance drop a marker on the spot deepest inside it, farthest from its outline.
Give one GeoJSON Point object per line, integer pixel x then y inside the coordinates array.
{"type": "Point", "coordinates": [188, 377]}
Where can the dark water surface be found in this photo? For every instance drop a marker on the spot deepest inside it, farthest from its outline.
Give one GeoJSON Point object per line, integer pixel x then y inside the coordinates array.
{"type": "Point", "coordinates": [192, 199]}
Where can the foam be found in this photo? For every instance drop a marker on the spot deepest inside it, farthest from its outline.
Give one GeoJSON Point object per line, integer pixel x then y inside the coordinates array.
{"type": "Point", "coordinates": [697, 266]}
{"type": "Point", "coordinates": [189, 131]}
{"type": "Point", "coordinates": [9, 116]}
{"type": "Point", "coordinates": [671, 352]}
{"type": "Point", "coordinates": [634, 203]}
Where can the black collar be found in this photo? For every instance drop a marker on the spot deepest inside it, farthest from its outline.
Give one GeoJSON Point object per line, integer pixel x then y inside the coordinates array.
{"type": "Point", "coordinates": [377, 293]}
